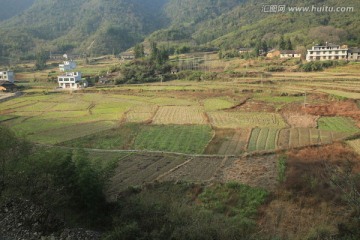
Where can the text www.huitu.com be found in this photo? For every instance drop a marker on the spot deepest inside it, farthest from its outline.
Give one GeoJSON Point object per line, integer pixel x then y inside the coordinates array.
{"type": "Point", "coordinates": [315, 9]}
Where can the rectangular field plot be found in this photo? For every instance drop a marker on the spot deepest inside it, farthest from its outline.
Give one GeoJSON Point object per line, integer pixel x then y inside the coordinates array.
{"type": "Point", "coordinates": [174, 138]}
{"type": "Point", "coordinates": [246, 120]}
{"type": "Point", "coordinates": [141, 114]}
{"type": "Point", "coordinates": [197, 169]}
{"type": "Point", "coordinates": [120, 138]}
{"type": "Point", "coordinates": [179, 115]}
{"type": "Point", "coordinates": [263, 139]}
{"type": "Point", "coordinates": [338, 124]}
{"type": "Point", "coordinates": [301, 137]}
{"type": "Point", "coordinates": [355, 144]}
{"type": "Point", "coordinates": [229, 142]}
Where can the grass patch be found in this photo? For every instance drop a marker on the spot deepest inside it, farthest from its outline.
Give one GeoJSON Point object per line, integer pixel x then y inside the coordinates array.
{"type": "Point", "coordinates": [233, 199]}
{"type": "Point", "coordinates": [338, 124]}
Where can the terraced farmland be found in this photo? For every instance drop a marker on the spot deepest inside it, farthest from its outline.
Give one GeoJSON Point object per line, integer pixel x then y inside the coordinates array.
{"type": "Point", "coordinates": [136, 169]}
{"type": "Point", "coordinates": [61, 117]}
{"type": "Point", "coordinates": [246, 120]}
{"type": "Point", "coordinates": [179, 115]}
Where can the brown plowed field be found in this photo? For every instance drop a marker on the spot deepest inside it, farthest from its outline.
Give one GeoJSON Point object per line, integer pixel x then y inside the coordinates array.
{"type": "Point", "coordinates": [255, 171]}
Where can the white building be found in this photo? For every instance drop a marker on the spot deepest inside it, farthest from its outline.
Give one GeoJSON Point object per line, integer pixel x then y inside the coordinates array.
{"type": "Point", "coordinates": [71, 80]}
{"type": "Point", "coordinates": [67, 66]}
{"type": "Point", "coordinates": [7, 76]}
{"type": "Point", "coordinates": [327, 52]}
{"type": "Point", "coordinates": [289, 54]}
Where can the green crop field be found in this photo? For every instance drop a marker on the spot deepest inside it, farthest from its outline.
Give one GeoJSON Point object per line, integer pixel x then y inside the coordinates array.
{"type": "Point", "coordinates": [173, 138]}
{"type": "Point", "coordinates": [338, 124]}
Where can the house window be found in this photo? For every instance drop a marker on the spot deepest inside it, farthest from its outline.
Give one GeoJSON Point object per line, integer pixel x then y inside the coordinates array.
{"type": "Point", "coordinates": [66, 79]}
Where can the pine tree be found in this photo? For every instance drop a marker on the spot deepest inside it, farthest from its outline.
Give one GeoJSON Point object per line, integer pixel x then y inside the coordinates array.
{"type": "Point", "coordinates": [288, 45]}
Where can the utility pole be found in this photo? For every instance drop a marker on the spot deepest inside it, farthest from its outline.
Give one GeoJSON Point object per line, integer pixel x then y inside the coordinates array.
{"type": "Point", "coordinates": [305, 101]}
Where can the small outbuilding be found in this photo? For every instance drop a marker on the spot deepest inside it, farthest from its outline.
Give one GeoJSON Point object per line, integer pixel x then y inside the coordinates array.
{"type": "Point", "coordinates": [6, 86]}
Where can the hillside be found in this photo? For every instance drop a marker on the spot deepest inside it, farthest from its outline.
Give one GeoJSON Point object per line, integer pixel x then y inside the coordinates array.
{"type": "Point", "coordinates": [242, 23]}
{"type": "Point", "coordinates": [104, 26]}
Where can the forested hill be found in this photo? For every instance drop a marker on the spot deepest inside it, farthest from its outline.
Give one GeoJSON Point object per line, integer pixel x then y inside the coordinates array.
{"type": "Point", "coordinates": [10, 8]}
{"type": "Point", "coordinates": [90, 26]}
{"type": "Point", "coordinates": [112, 26]}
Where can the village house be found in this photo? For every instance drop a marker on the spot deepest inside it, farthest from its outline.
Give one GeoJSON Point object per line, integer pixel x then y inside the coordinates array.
{"type": "Point", "coordinates": [7, 76]}
{"type": "Point", "coordinates": [127, 56]}
{"type": "Point", "coordinates": [327, 52]}
{"type": "Point", "coordinates": [245, 50]}
{"type": "Point", "coordinates": [71, 80]}
{"type": "Point", "coordinates": [289, 54]}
